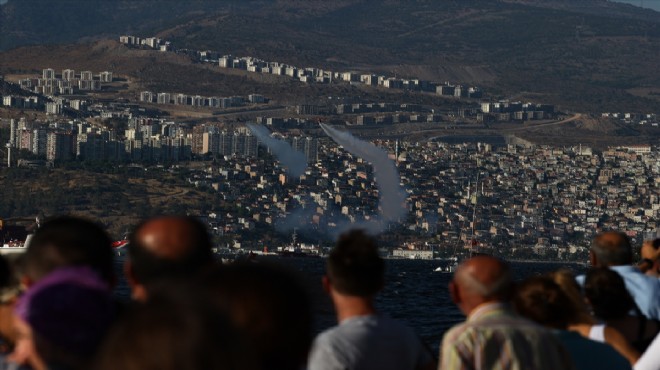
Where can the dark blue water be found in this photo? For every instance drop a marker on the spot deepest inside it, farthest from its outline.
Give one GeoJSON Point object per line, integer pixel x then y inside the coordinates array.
{"type": "Point", "coordinates": [413, 292]}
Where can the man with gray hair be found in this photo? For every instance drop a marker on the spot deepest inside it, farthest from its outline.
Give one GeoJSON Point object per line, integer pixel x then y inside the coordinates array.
{"type": "Point", "coordinates": [612, 249]}
{"type": "Point", "coordinates": [494, 337]}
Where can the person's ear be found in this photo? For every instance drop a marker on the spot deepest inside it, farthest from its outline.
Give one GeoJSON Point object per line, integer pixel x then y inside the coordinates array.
{"type": "Point", "coordinates": [26, 281]}
{"type": "Point", "coordinates": [454, 292]}
{"type": "Point", "coordinates": [325, 281]}
{"type": "Point", "coordinates": [138, 292]}
{"type": "Point", "coordinates": [593, 259]}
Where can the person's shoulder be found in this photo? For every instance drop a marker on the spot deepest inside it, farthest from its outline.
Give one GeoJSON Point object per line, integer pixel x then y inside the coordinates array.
{"type": "Point", "coordinates": [327, 336]}
{"type": "Point", "coordinates": [456, 332]}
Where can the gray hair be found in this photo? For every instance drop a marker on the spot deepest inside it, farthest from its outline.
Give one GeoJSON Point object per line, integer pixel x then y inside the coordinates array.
{"type": "Point", "coordinates": [499, 287]}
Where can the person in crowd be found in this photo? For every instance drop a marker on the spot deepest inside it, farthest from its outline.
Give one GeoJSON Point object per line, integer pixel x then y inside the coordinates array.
{"type": "Point", "coordinates": [269, 306]}
{"type": "Point", "coordinates": [61, 320]}
{"type": "Point", "coordinates": [364, 338]}
{"type": "Point", "coordinates": [612, 249]}
{"type": "Point", "coordinates": [82, 249]}
{"type": "Point", "coordinates": [611, 302]}
{"type": "Point", "coordinates": [650, 360]}
{"type": "Point", "coordinates": [166, 247]}
{"type": "Point", "coordinates": [175, 329]}
{"type": "Point", "coordinates": [651, 258]}
{"type": "Point", "coordinates": [541, 300]}
{"type": "Point", "coordinates": [582, 322]}
{"type": "Point", "coordinates": [10, 288]}
{"type": "Point", "coordinates": [68, 242]}
{"type": "Point", "coordinates": [494, 336]}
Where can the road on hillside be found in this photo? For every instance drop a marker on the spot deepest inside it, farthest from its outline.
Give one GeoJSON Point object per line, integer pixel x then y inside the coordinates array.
{"type": "Point", "coordinates": [576, 116]}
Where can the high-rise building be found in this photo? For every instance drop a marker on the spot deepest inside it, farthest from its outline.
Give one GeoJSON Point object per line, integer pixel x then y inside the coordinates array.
{"type": "Point", "coordinates": [86, 76]}
{"type": "Point", "coordinates": [211, 143]}
{"type": "Point", "coordinates": [59, 147]}
{"type": "Point", "coordinates": [68, 75]}
{"type": "Point", "coordinates": [163, 98]}
{"type": "Point", "coordinates": [53, 108]}
{"type": "Point", "coordinates": [26, 139]}
{"type": "Point", "coordinates": [13, 127]}
{"type": "Point", "coordinates": [311, 149]}
{"type": "Point", "coordinates": [48, 74]}
{"type": "Point", "coordinates": [40, 142]}
{"type": "Point", "coordinates": [105, 76]}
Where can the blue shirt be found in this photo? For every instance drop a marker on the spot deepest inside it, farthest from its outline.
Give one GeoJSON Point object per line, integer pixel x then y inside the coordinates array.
{"type": "Point", "coordinates": [645, 290]}
{"type": "Point", "coordinates": [591, 355]}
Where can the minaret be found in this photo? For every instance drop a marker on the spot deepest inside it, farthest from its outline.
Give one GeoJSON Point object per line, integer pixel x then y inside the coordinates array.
{"type": "Point", "coordinates": [396, 152]}
{"type": "Point", "coordinates": [9, 150]}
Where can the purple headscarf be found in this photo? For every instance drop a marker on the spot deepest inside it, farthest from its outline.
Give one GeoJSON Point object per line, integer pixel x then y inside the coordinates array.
{"type": "Point", "coordinates": [71, 308]}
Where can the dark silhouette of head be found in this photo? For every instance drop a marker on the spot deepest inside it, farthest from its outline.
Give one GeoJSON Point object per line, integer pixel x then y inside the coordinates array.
{"type": "Point", "coordinates": [354, 267]}
{"type": "Point", "coordinates": [542, 300]}
{"type": "Point", "coordinates": [166, 247]}
{"type": "Point", "coordinates": [606, 292]}
{"type": "Point", "coordinates": [66, 242]}
{"type": "Point", "coordinates": [566, 281]}
{"type": "Point", "coordinates": [269, 306]}
{"type": "Point", "coordinates": [479, 280]}
{"type": "Point", "coordinates": [611, 248]}
{"type": "Point", "coordinates": [176, 329]}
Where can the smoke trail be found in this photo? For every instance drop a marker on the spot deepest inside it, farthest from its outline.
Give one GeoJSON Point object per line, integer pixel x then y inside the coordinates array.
{"type": "Point", "coordinates": [392, 195]}
{"type": "Point", "coordinates": [292, 160]}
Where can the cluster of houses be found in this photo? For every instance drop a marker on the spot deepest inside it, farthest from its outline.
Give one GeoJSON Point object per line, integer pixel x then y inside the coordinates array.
{"type": "Point", "coordinates": [650, 119]}
{"type": "Point", "coordinates": [200, 101]}
{"type": "Point", "coordinates": [67, 83]}
{"type": "Point", "coordinates": [309, 74]}
{"type": "Point", "coordinates": [512, 200]}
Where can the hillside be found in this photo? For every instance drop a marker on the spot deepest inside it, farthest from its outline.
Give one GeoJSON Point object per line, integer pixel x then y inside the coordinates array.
{"type": "Point", "coordinates": [118, 200]}
{"type": "Point", "coordinates": [583, 55]}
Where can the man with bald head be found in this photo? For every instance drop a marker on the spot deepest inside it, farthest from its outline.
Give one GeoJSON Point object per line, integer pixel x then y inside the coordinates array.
{"type": "Point", "coordinates": [612, 249]}
{"type": "Point", "coordinates": [494, 337]}
{"type": "Point", "coordinates": [167, 247]}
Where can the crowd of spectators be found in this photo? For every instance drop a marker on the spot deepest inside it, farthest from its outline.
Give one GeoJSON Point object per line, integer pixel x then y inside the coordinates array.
{"type": "Point", "coordinates": [187, 311]}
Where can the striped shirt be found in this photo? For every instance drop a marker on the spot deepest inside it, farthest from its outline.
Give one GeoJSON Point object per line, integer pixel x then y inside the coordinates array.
{"type": "Point", "coordinates": [495, 338]}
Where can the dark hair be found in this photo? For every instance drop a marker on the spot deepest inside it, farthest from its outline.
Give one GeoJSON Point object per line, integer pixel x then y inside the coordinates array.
{"type": "Point", "coordinates": [269, 305]}
{"type": "Point", "coordinates": [655, 243]}
{"type": "Point", "coordinates": [354, 266]}
{"type": "Point", "coordinates": [176, 329]}
{"type": "Point", "coordinates": [69, 241]}
{"type": "Point", "coordinates": [607, 293]}
{"type": "Point", "coordinates": [542, 300]}
{"type": "Point", "coordinates": [146, 266]}
{"type": "Point", "coordinates": [612, 248]}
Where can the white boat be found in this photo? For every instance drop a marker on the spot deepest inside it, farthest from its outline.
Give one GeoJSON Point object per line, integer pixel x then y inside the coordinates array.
{"type": "Point", "coordinates": [450, 268]}
{"type": "Point", "coordinates": [13, 247]}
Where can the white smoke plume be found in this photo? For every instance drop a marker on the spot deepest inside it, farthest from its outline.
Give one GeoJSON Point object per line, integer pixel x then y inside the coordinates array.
{"type": "Point", "coordinates": [391, 194]}
{"type": "Point", "coordinates": [292, 160]}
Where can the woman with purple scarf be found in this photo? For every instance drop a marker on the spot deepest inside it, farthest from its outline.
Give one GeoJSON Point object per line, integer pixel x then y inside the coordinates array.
{"type": "Point", "coordinates": [62, 319]}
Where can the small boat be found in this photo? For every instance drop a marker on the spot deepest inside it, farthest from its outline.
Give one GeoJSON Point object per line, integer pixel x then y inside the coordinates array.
{"type": "Point", "coordinates": [450, 268]}
{"type": "Point", "coordinates": [13, 246]}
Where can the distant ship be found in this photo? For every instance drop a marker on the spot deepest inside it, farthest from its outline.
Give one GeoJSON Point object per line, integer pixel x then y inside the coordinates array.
{"type": "Point", "coordinates": [296, 249]}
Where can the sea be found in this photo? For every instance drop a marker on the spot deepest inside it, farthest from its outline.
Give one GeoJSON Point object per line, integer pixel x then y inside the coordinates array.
{"type": "Point", "coordinates": [414, 293]}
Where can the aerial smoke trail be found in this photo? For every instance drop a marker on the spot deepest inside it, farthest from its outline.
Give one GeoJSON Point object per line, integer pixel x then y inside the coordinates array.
{"type": "Point", "coordinates": [392, 196]}
{"type": "Point", "coordinates": [292, 160]}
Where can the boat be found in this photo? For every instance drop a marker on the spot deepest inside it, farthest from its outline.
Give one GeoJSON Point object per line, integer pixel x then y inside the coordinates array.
{"type": "Point", "coordinates": [450, 267]}
{"type": "Point", "coordinates": [13, 246]}
{"type": "Point", "coordinates": [120, 246]}
{"type": "Point", "coordinates": [295, 249]}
